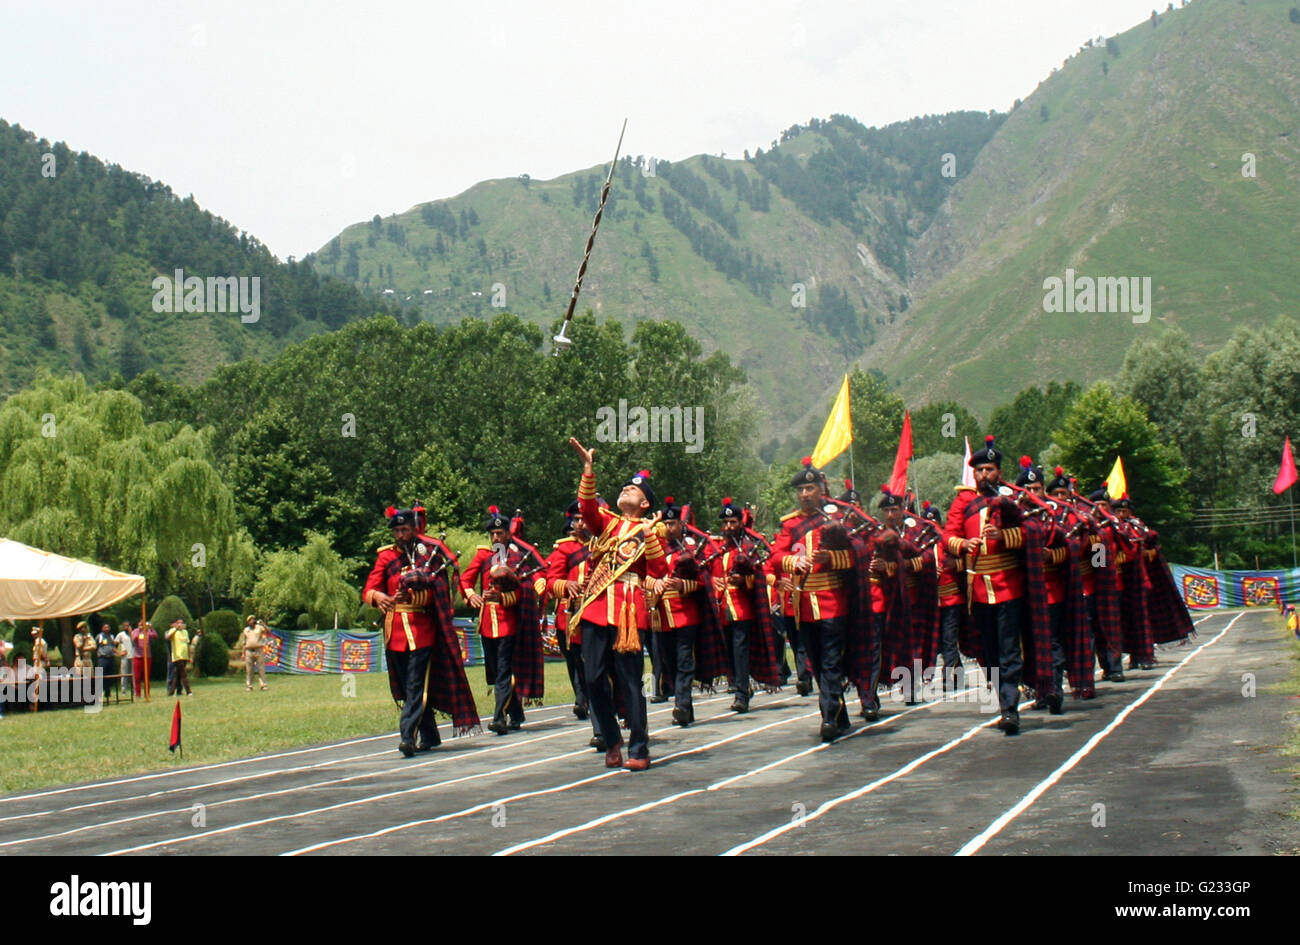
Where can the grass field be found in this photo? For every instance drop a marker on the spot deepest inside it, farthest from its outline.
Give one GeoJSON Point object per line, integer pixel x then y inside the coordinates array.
{"type": "Point", "coordinates": [220, 721]}
{"type": "Point", "coordinates": [1291, 687]}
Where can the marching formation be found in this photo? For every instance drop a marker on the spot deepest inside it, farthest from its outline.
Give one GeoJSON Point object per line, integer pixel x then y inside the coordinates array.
{"type": "Point", "coordinates": [1036, 583]}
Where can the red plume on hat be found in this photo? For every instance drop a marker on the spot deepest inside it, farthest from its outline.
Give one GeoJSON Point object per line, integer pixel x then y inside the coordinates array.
{"type": "Point", "coordinates": [493, 510]}
{"type": "Point", "coordinates": [1059, 472]}
{"type": "Point", "coordinates": [925, 504]}
{"type": "Point", "coordinates": [1026, 462]}
{"type": "Point", "coordinates": [848, 484]}
{"type": "Point", "coordinates": [807, 460]}
{"type": "Point", "coordinates": [668, 500]}
{"type": "Point", "coordinates": [390, 511]}
{"type": "Point", "coordinates": [726, 500]}
{"type": "Point", "coordinates": [644, 473]}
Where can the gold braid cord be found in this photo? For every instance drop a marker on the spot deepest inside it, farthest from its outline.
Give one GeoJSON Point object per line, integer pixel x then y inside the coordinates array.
{"type": "Point", "coordinates": [624, 551]}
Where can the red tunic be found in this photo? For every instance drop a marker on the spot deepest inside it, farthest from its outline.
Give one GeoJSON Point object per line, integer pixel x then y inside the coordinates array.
{"type": "Point", "coordinates": [565, 565]}
{"type": "Point", "coordinates": [628, 593]}
{"type": "Point", "coordinates": [408, 626]}
{"type": "Point", "coordinates": [824, 594]}
{"type": "Point", "coordinates": [496, 620]}
{"type": "Point", "coordinates": [680, 608]}
{"type": "Point", "coordinates": [736, 604]}
{"type": "Point", "coordinates": [999, 571]}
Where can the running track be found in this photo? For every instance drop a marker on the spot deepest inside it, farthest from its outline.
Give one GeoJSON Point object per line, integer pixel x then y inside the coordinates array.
{"type": "Point", "coordinates": [1174, 760]}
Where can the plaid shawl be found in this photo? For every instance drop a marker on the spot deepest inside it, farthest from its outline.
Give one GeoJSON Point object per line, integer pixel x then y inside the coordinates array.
{"type": "Point", "coordinates": [527, 662]}
{"type": "Point", "coordinates": [1077, 632]}
{"type": "Point", "coordinates": [1036, 635]}
{"type": "Point", "coordinates": [764, 667]}
{"type": "Point", "coordinates": [1168, 613]}
{"type": "Point", "coordinates": [711, 662]}
{"type": "Point", "coordinates": [925, 615]}
{"type": "Point", "coordinates": [449, 691]}
{"type": "Point", "coordinates": [1134, 618]}
{"type": "Point", "coordinates": [1108, 635]}
{"type": "Point", "coordinates": [863, 639]}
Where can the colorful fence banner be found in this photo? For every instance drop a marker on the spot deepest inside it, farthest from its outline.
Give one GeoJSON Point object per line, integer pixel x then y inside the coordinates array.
{"type": "Point", "coordinates": [324, 651]}
{"type": "Point", "coordinates": [1205, 589]}
{"type": "Point", "coordinates": [359, 651]}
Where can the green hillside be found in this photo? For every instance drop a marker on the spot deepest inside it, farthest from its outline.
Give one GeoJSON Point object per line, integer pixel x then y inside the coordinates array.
{"type": "Point", "coordinates": [791, 261]}
{"type": "Point", "coordinates": [1127, 161]}
{"type": "Point", "coordinates": [81, 243]}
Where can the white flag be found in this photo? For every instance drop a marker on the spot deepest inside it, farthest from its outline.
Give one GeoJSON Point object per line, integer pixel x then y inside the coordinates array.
{"type": "Point", "coordinates": [967, 473]}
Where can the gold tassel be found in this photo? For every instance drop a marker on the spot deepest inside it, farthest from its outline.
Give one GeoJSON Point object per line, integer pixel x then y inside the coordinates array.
{"type": "Point", "coordinates": [628, 639]}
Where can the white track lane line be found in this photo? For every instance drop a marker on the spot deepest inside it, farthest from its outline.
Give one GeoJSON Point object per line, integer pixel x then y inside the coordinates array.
{"type": "Point", "coordinates": [174, 772]}
{"type": "Point", "coordinates": [487, 805]}
{"type": "Point", "coordinates": [439, 759]}
{"type": "Point", "coordinates": [672, 798]}
{"type": "Point", "coordinates": [974, 845]}
{"type": "Point", "coordinates": [378, 797]}
{"type": "Point", "coordinates": [869, 788]}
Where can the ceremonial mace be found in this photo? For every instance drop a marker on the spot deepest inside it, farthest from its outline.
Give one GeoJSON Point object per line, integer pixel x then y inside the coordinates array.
{"type": "Point", "coordinates": [562, 340]}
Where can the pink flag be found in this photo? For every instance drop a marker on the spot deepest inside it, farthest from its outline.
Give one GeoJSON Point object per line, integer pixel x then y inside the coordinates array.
{"type": "Point", "coordinates": [898, 478]}
{"type": "Point", "coordinates": [1286, 476]}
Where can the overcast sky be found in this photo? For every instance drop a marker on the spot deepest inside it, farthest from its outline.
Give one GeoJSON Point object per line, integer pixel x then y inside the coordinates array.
{"type": "Point", "coordinates": [294, 120]}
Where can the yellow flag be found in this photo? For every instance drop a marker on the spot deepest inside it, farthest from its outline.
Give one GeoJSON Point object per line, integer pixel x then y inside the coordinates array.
{"type": "Point", "coordinates": [838, 432]}
{"type": "Point", "coordinates": [1116, 484]}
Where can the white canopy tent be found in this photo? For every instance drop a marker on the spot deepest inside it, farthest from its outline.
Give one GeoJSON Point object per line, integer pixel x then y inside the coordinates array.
{"type": "Point", "coordinates": [36, 584]}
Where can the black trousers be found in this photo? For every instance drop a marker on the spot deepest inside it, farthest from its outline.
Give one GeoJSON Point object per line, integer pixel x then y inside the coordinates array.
{"type": "Point", "coordinates": [412, 668]}
{"type": "Point", "coordinates": [1000, 626]}
{"type": "Point", "coordinates": [738, 644]}
{"type": "Point", "coordinates": [661, 680]}
{"type": "Point", "coordinates": [573, 663]}
{"type": "Point", "coordinates": [600, 660]}
{"type": "Point", "coordinates": [676, 649]}
{"type": "Point", "coordinates": [1056, 617]}
{"type": "Point", "coordinates": [949, 624]}
{"type": "Point", "coordinates": [823, 641]}
{"type": "Point", "coordinates": [498, 658]}
{"type": "Point", "coordinates": [788, 629]}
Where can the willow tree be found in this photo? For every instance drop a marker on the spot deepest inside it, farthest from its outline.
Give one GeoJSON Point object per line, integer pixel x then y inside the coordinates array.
{"type": "Point", "coordinates": [82, 474]}
{"type": "Point", "coordinates": [313, 580]}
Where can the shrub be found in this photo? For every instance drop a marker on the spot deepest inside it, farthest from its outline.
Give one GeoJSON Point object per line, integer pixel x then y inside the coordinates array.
{"type": "Point", "coordinates": [213, 657]}
{"type": "Point", "coordinates": [225, 623]}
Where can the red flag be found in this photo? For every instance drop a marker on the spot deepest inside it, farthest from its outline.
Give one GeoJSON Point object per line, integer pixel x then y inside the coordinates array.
{"type": "Point", "coordinates": [1286, 476]}
{"type": "Point", "coordinates": [898, 478]}
{"type": "Point", "coordinates": [176, 729]}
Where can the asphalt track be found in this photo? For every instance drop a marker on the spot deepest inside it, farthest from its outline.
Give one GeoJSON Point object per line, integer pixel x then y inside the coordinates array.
{"type": "Point", "coordinates": [1174, 760]}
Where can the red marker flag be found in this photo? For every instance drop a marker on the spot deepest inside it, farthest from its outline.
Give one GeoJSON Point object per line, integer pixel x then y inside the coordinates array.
{"type": "Point", "coordinates": [176, 729]}
{"type": "Point", "coordinates": [898, 478]}
{"type": "Point", "coordinates": [1286, 476]}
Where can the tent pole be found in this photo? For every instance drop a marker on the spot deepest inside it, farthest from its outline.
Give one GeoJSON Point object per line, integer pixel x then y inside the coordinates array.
{"type": "Point", "coordinates": [144, 643]}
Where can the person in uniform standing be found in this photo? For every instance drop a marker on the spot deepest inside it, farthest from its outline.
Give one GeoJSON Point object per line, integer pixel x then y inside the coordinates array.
{"type": "Point", "coordinates": [252, 640]}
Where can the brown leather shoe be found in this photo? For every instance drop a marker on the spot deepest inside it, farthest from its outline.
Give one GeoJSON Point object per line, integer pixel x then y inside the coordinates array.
{"type": "Point", "coordinates": [614, 757]}
{"type": "Point", "coordinates": [637, 764]}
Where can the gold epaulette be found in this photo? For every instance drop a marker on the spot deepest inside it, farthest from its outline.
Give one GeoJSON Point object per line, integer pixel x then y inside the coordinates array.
{"type": "Point", "coordinates": [483, 548]}
{"type": "Point", "coordinates": [385, 548]}
{"type": "Point", "coordinates": [963, 489]}
{"type": "Point", "coordinates": [793, 514]}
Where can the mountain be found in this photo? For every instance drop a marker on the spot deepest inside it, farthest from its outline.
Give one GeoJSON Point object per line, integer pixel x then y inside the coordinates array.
{"type": "Point", "coordinates": [1168, 152]}
{"type": "Point", "coordinates": [922, 247]}
{"type": "Point", "coordinates": [81, 247]}
{"type": "Point", "coordinates": [791, 260]}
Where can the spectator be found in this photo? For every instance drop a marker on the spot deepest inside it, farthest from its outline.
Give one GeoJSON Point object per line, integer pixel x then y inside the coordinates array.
{"type": "Point", "coordinates": [83, 650]}
{"type": "Point", "coordinates": [252, 639]}
{"type": "Point", "coordinates": [137, 653]}
{"type": "Point", "coordinates": [105, 648]}
{"type": "Point", "coordinates": [122, 650]}
{"type": "Point", "coordinates": [181, 646]}
{"type": "Point", "coordinates": [1292, 620]}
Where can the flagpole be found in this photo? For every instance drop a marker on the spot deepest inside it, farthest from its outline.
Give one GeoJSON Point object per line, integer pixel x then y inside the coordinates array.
{"type": "Point", "coordinates": [1291, 501]}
